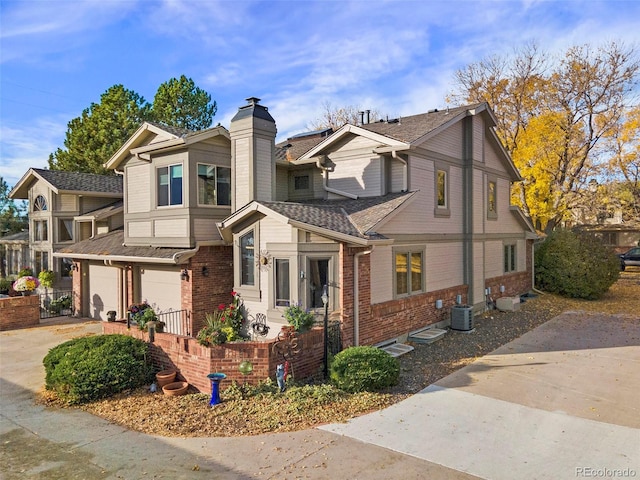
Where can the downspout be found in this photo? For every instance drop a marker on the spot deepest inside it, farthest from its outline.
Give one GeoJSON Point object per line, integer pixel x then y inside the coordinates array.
{"type": "Point", "coordinates": [325, 181]}
{"type": "Point", "coordinates": [405, 175]}
{"type": "Point", "coordinates": [467, 207]}
{"type": "Point", "coordinates": [356, 296]}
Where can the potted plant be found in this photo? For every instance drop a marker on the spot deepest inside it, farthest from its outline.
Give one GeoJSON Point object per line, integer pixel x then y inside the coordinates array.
{"type": "Point", "coordinates": [299, 318]}
{"type": "Point", "coordinates": [26, 285]}
{"type": "Point", "coordinates": [46, 278]}
{"type": "Point", "coordinates": [213, 332]}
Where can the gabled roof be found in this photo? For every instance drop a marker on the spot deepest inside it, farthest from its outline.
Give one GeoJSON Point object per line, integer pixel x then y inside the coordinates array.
{"type": "Point", "coordinates": [110, 246]}
{"type": "Point", "coordinates": [169, 138]}
{"type": "Point", "coordinates": [20, 237]}
{"type": "Point", "coordinates": [343, 220]}
{"type": "Point", "coordinates": [69, 182]}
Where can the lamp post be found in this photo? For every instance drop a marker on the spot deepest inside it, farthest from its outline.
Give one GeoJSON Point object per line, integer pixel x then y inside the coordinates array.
{"type": "Point", "coordinates": [325, 302]}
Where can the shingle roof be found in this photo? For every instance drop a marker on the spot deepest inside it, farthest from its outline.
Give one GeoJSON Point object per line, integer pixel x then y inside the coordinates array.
{"type": "Point", "coordinates": [348, 217]}
{"type": "Point", "coordinates": [105, 212]}
{"type": "Point", "coordinates": [81, 182]}
{"type": "Point", "coordinates": [177, 131]}
{"type": "Point", "coordinates": [16, 237]}
{"type": "Point", "coordinates": [293, 149]}
{"type": "Point", "coordinates": [111, 244]}
{"type": "Point", "coordinates": [409, 129]}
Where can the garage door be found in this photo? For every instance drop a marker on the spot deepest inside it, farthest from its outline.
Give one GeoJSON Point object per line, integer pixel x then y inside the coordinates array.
{"type": "Point", "coordinates": [103, 291]}
{"type": "Point", "coordinates": [160, 287]}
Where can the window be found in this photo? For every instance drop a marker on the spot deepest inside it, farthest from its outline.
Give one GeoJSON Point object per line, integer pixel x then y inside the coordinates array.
{"type": "Point", "coordinates": [170, 185]}
{"type": "Point", "coordinates": [409, 278]}
{"type": "Point", "coordinates": [40, 231]}
{"type": "Point", "coordinates": [283, 290]}
{"type": "Point", "coordinates": [441, 189]}
{"type": "Point", "coordinates": [65, 230]}
{"type": "Point", "coordinates": [301, 182]}
{"type": "Point", "coordinates": [509, 258]}
{"type": "Point", "coordinates": [41, 261]}
{"type": "Point", "coordinates": [610, 238]}
{"type": "Point", "coordinates": [214, 185]}
{"type": "Point", "coordinates": [492, 199]}
{"type": "Point", "coordinates": [247, 259]}
{"type": "Point", "coordinates": [40, 204]}
{"type": "Point", "coordinates": [65, 267]}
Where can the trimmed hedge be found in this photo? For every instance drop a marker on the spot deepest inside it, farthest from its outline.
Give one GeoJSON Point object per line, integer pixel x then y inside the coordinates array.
{"type": "Point", "coordinates": [575, 265]}
{"type": "Point", "coordinates": [90, 368]}
{"type": "Point", "coordinates": [364, 368]}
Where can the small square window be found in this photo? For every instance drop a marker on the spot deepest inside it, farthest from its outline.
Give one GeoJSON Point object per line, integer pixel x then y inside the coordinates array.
{"type": "Point", "coordinates": [301, 182]}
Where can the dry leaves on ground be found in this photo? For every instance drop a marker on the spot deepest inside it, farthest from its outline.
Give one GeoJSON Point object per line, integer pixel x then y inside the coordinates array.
{"type": "Point", "coordinates": [190, 415]}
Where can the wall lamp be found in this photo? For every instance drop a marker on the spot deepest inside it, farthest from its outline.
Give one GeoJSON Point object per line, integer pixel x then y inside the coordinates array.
{"type": "Point", "coordinates": [74, 267]}
{"type": "Point", "coordinates": [205, 271]}
{"type": "Point", "coordinates": [184, 274]}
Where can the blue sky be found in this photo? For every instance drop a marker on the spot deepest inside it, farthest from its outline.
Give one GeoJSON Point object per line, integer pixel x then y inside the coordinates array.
{"type": "Point", "coordinates": [397, 57]}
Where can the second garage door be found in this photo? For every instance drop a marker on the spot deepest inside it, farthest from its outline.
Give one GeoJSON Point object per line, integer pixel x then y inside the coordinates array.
{"type": "Point", "coordinates": [103, 291]}
{"type": "Point", "coordinates": [160, 287]}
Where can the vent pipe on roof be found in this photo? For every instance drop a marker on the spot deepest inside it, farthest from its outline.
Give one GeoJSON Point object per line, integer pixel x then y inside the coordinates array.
{"type": "Point", "coordinates": [368, 115]}
{"type": "Point", "coordinates": [361, 118]}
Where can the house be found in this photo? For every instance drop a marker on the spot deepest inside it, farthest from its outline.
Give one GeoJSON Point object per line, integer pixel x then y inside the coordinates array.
{"type": "Point", "coordinates": [16, 252]}
{"type": "Point", "coordinates": [392, 222]}
{"type": "Point", "coordinates": [59, 214]}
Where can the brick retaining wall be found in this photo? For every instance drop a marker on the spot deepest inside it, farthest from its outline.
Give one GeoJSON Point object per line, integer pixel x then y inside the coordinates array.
{"type": "Point", "coordinates": [19, 312]}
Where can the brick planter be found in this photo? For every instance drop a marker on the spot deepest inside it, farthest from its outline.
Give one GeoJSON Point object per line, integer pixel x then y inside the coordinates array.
{"type": "Point", "coordinates": [19, 312]}
{"type": "Point", "coordinates": [194, 361]}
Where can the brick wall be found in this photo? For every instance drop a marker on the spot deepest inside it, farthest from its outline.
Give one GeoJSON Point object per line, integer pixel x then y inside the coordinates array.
{"type": "Point", "coordinates": [19, 312]}
{"type": "Point", "coordinates": [194, 362]}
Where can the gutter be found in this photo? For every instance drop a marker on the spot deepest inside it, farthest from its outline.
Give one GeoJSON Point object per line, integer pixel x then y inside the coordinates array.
{"type": "Point", "coordinates": [325, 182]}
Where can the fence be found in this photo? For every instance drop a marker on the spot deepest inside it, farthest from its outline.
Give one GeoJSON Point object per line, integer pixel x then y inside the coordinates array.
{"type": "Point", "coordinates": [176, 322]}
{"type": "Point", "coordinates": [56, 303]}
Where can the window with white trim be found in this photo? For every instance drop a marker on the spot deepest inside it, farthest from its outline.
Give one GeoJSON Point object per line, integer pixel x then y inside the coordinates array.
{"type": "Point", "coordinates": [65, 230]}
{"type": "Point", "coordinates": [40, 231]}
{"type": "Point", "coordinates": [492, 199]}
{"type": "Point", "coordinates": [282, 282]}
{"type": "Point", "coordinates": [169, 185]}
{"type": "Point", "coordinates": [247, 259]}
{"type": "Point", "coordinates": [214, 185]}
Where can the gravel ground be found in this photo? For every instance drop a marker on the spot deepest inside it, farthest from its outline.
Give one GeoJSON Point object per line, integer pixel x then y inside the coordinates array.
{"type": "Point", "coordinates": [190, 415]}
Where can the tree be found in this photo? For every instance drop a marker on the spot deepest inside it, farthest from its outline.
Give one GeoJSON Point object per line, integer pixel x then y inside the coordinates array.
{"type": "Point", "coordinates": [552, 117]}
{"type": "Point", "coordinates": [180, 103]}
{"type": "Point", "coordinates": [336, 117]}
{"type": "Point", "coordinates": [102, 128]}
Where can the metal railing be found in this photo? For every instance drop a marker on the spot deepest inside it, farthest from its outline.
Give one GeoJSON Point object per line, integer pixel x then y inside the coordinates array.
{"type": "Point", "coordinates": [176, 322]}
{"type": "Point", "coordinates": [56, 303]}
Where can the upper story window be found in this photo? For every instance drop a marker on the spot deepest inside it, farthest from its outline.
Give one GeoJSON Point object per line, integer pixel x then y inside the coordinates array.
{"type": "Point", "coordinates": [441, 189]}
{"type": "Point", "coordinates": [40, 204]}
{"type": "Point", "coordinates": [509, 258]}
{"type": "Point", "coordinates": [301, 182]}
{"type": "Point", "coordinates": [169, 185]}
{"type": "Point", "coordinates": [247, 259]}
{"type": "Point", "coordinates": [214, 185]}
{"type": "Point", "coordinates": [492, 199]}
{"type": "Point", "coordinates": [65, 230]}
{"type": "Point", "coordinates": [409, 272]}
{"type": "Point", "coordinates": [40, 231]}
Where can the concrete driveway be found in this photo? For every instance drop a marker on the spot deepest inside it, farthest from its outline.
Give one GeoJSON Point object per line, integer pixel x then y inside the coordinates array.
{"type": "Point", "coordinates": [560, 402]}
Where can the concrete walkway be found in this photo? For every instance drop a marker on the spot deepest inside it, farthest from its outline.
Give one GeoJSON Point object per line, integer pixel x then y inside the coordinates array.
{"type": "Point", "coordinates": [560, 402]}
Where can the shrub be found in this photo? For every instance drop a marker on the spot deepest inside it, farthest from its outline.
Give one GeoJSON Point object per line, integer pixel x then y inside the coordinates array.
{"type": "Point", "coordinates": [575, 265]}
{"type": "Point", "coordinates": [25, 272]}
{"type": "Point", "coordinates": [89, 368]}
{"type": "Point", "coordinates": [358, 369]}
{"type": "Point", "coordinates": [46, 278]}
{"type": "Point", "coordinates": [5, 285]}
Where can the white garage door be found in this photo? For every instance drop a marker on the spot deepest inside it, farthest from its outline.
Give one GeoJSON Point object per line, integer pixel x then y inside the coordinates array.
{"type": "Point", "coordinates": [160, 287]}
{"type": "Point", "coordinates": [103, 291]}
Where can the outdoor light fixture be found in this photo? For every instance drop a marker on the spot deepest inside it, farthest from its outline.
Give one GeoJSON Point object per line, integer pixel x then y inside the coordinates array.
{"type": "Point", "coordinates": [205, 271]}
{"type": "Point", "coordinates": [184, 274]}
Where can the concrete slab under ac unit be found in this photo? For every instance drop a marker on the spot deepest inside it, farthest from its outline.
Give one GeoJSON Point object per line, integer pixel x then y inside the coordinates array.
{"type": "Point", "coordinates": [427, 335]}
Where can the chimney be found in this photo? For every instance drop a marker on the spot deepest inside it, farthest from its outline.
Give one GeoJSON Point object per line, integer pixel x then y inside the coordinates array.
{"type": "Point", "coordinates": [253, 168]}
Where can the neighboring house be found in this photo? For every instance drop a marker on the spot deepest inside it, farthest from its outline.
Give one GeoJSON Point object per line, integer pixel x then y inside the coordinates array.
{"type": "Point", "coordinates": [619, 236]}
{"type": "Point", "coordinates": [16, 252]}
{"type": "Point", "coordinates": [56, 200]}
{"type": "Point", "coordinates": [398, 218]}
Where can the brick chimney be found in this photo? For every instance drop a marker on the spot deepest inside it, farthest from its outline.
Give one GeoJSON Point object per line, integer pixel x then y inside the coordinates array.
{"type": "Point", "coordinates": [253, 168]}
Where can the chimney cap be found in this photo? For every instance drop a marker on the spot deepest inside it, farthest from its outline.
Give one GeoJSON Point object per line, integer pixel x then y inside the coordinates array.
{"type": "Point", "coordinates": [253, 100]}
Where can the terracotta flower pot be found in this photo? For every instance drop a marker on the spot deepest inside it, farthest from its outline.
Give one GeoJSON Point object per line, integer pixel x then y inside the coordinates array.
{"type": "Point", "coordinates": [175, 388]}
{"type": "Point", "coordinates": [165, 377]}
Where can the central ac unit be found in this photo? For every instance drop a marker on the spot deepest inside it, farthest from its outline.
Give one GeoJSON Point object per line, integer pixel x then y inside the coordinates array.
{"type": "Point", "coordinates": [462, 317]}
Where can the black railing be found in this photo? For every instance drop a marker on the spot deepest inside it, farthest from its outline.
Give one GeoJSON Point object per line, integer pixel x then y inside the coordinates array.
{"type": "Point", "coordinates": [176, 322]}
{"type": "Point", "coordinates": [56, 303]}
{"type": "Point", "coordinates": [334, 338]}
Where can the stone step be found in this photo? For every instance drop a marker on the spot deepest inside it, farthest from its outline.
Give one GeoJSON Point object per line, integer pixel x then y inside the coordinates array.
{"type": "Point", "coordinates": [427, 335]}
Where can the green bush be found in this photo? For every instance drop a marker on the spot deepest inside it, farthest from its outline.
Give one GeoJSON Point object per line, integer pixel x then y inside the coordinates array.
{"type": "Point", "coordinates": [358, 369]}
{"type": "Point", "coordinates": [575, 265]}
{"type": "Point", "coordinates": [90, 368]}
